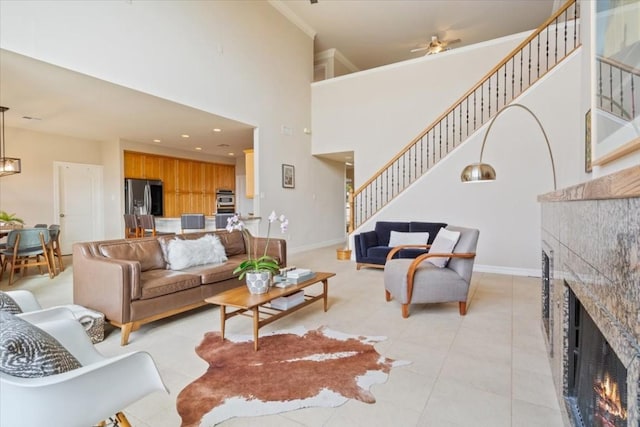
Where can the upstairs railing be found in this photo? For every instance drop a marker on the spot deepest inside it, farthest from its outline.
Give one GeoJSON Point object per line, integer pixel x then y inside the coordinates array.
{"type": "Point", "coordinates": [533, 58]}
{"type": "Point", "coordinates": [617, 89]}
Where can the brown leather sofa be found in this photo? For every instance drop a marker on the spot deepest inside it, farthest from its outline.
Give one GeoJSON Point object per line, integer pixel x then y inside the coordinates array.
{"type": "Point", "coordinates": [129, 282]}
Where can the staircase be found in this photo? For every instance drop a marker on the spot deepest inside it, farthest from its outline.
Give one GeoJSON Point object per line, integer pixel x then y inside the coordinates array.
{"type": "Point", "coordinates": [552, 42]}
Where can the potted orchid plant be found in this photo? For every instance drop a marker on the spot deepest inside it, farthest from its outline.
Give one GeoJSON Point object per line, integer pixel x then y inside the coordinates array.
{"type": "Point", "coordinates": [258, 270]}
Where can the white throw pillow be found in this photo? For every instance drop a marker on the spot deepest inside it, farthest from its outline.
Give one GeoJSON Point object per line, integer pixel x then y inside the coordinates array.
{"type": "Point", "coordinates": [398, 238]}
{"type": "Point", "coordinates": [185, 253]}
{"type": "Point", "coordinates": [444, 243]}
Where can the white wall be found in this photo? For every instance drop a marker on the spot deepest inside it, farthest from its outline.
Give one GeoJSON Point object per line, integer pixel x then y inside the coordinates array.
{"type": "Point", "coordinates": [30, 193]}
{"type": "Point", "coordinates": [378, 112]}
{"type": "Point", "coordinates": [240, 59]}
{"type": "Point", "coordinates": [506, 211]}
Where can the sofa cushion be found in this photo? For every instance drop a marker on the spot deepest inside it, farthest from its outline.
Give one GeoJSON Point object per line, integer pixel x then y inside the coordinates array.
{"type": "Point", "coordinates": [214, 273]}
{"type": "Point", "coordinates": [233, 242]}
{"type": "Point", "coordinates": [398, 238]}
{"type": "Point", "coordinates": [146, 251]}
{"type": "Point", "coordinates": [430, 227]}
{"type": "Point", "coordinates": [155, 283]}
{"type": "Point", "coordinates": [182, 253]}
{"type": "Point", "coordinates": [27, 351]}
{"type": "Point", "coordinates": [383, 230]}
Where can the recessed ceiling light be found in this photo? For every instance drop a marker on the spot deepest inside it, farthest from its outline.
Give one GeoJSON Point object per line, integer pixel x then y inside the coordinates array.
{"type": "Point", "coordinates": [232, 154]}
{"type": "Point", "coordinates": [184, 135]}
{"type": "Point", "coordinates": [217, 130]}
{"type": "Point", "coordinates": [348, 163]}
{"type": "Point", "coordinates": [157, 140]}
{"type": "Point", "coordinates": [198, 148]}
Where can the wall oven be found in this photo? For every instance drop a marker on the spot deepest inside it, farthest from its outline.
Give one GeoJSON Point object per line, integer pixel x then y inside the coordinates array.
{"type": "Point", "coordinates": [225, 201]}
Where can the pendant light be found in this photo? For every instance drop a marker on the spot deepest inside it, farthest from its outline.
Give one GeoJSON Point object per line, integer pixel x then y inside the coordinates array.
{"type": "Point", "coordinates": [8, 165]}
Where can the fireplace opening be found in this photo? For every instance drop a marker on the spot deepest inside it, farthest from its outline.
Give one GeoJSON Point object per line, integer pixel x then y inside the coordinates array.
{"type": "Point", "coordinates": [547, 271]}
{"type": "Point", "coordinates": [597, 387]}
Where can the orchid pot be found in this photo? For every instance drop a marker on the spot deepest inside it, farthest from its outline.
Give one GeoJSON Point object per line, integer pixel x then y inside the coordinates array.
{"type": "Point", "coordinates": [258, 282]}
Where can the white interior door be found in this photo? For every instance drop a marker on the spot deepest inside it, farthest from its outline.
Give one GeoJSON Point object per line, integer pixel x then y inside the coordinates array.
{"type": "Point", "coordinates": [78, 203]}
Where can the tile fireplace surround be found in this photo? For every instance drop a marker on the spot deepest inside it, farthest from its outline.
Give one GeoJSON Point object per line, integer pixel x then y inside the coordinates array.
{"type": "Point", "coordinates": [591, 236]}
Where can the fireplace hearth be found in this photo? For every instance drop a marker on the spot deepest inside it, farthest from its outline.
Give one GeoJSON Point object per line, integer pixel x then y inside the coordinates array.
{"type": "Point", "coordinates": [590, 314]}
{"type": "Point", "coordinates": [597, 383]}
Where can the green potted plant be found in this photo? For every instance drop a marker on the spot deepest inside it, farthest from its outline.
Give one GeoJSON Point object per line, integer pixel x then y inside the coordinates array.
{"type": "Point", "coordinates": [258, 270]}
{"type": "Point", "coordinates": [9, 219]}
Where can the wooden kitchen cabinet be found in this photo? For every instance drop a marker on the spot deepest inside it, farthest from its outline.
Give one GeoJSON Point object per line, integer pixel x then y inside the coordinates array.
{"type": "Point", "coordinates": [250, 177]}
{"type": "Point", "coordinates": [133, 165]}
{"type": "Point", "coordinates": [169, 175]}
{"type": "Point", "coordinates": [189, 185]}
{"type": "Point", "coordinates": [152, 167]}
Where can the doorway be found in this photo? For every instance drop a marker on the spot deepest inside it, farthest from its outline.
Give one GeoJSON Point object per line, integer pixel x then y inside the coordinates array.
{"type": "Point", "coordinates": [78, 203]}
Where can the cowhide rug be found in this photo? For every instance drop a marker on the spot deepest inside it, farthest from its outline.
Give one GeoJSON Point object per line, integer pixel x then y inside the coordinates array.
{"type": "Point", "coordinates": [291, 370]}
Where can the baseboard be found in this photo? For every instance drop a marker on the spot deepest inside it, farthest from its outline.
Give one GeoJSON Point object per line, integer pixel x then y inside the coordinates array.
{"type": "Point", "coordinates": [507, 270]}
{"type": "Point", "coordinates": [338, 243]}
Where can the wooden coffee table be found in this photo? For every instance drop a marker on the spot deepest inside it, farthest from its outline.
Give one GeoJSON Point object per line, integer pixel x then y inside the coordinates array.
{"type": "Point", "coordinates": [262, 314]}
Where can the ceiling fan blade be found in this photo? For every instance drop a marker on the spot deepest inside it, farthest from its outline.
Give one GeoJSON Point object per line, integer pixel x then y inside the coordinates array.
{"type": "Point", "coordinates": [419, 49]}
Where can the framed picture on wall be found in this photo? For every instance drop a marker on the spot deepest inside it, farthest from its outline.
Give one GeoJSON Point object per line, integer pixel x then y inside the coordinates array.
{"type": "Point", "coordinates": [288, 176]}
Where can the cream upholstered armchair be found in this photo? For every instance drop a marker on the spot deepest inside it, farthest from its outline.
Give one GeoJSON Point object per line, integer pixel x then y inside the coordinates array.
{"type": "Point", "coordinates": [82, 396]}
{"type": "Point", "coordinates": [420, 280]}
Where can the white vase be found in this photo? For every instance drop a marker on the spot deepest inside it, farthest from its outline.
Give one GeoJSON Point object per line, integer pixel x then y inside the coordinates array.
{"type": "Point", "coordinates": [258, 282]}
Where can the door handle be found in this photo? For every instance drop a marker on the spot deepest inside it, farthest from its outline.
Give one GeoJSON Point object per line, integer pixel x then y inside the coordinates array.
{"type": "Point", "coordinates": [61, 215]}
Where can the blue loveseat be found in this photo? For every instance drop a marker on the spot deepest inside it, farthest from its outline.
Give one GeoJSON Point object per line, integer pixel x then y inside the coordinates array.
{"type": "Point", "coordinates": [372, 247]}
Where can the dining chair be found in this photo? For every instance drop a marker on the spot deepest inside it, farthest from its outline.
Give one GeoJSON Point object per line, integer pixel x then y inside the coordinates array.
{"type": "Point", "coordinates": [54, 246]}
{"type": "Point", "coordinates": [146, 225]}
{"type": "Point", "coordinates": [26, 247]}
{"type": "Point", "coordinates": [192, 222]}
{"type": "Point", "coordinates": [131, 227]}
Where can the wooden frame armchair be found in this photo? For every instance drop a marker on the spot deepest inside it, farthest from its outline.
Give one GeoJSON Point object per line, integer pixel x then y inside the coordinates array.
{"type": "Point", "coordinates": [413, 281]}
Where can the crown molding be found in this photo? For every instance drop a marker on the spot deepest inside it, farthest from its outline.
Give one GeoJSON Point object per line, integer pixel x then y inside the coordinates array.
{"type": "Point", "coordinates": [295, 19]}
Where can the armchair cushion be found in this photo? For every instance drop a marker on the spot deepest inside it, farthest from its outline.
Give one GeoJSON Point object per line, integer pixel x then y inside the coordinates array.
{"type": "Point", "coordinates": [444, 243]}
{"type": "Point", "coordinates": [27, 351]}
{"type": "Point", "coordinates": [8, 304]}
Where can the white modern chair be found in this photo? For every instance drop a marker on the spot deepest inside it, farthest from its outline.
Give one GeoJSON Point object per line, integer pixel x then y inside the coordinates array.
{"type": "Point", "coordinates": [82, 397]}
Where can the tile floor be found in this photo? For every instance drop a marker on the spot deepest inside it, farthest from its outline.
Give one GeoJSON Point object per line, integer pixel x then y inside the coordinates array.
{"type": "Point", "coordinates": [488, 368]}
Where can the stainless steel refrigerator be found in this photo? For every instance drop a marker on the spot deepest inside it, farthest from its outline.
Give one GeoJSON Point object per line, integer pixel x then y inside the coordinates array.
{"type": "Point", "coordinates": [143, 196]}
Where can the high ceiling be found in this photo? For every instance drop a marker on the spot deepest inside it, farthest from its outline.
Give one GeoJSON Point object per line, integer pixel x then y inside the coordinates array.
{"type": "Point", "coordinates": [379, 32]}
{"type": "Point", "coordinates": [368, 33]}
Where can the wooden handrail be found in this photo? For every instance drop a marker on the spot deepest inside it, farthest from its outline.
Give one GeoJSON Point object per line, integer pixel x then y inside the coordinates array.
{"type": "Point", "coordinates": [467, 94]}
{"type": "Point", "coordinates": [472, 110]}
{"type": "Point", "coordinates": [624, 67]}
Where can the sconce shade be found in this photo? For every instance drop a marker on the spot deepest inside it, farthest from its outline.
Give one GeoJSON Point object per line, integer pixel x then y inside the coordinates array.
{"type": "Point", "coordinates": [8, 165]}
{"type": "Point", "coordinates": [478, 172]}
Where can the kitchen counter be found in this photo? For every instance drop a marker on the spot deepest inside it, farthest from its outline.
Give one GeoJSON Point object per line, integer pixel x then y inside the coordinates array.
{"type": "Point", "coordinates": [172, 224]}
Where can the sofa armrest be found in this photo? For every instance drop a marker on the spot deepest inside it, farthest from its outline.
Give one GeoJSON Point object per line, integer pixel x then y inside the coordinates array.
{"type": "Point", "coordinates": [104, 284]}
{"type": "Point", "coordinates": [364, 241]}
{"type": "Point", "coordinates": [277, 248]}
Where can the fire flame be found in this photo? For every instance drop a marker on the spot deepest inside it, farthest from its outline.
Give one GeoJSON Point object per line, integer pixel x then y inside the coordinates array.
{"type": "Point", "coordinates": [608, 400]}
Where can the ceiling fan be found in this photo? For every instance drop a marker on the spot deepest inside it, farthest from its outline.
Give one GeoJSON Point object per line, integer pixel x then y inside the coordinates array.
{"type": "Point", "coordinates": [436, 46]}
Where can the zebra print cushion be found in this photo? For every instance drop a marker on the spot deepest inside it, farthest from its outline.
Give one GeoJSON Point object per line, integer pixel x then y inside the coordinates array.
{"type": "Point", "coordinates": [8, 305]}
{"type": "Point", "coordinates": [27, 351]}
